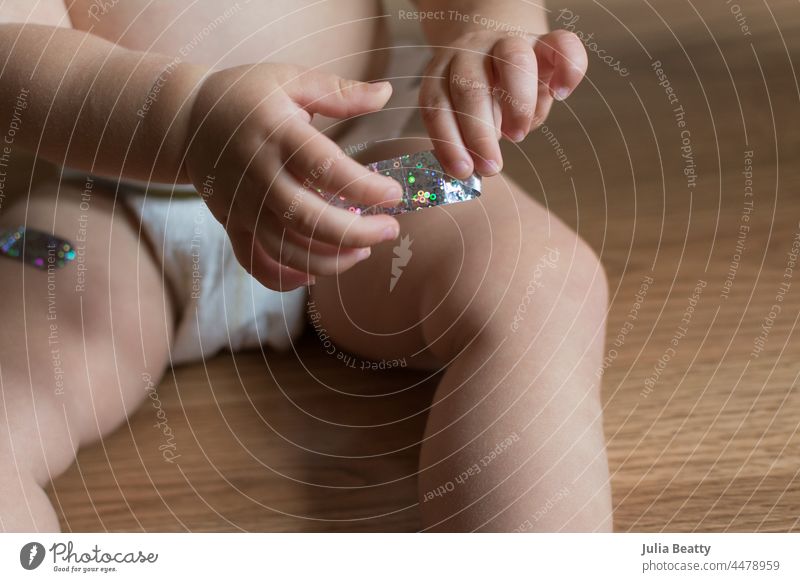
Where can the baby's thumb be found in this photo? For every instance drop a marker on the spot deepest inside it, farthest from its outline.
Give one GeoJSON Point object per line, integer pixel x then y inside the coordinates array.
{"type": "Point", "coordinates": [333, 96]}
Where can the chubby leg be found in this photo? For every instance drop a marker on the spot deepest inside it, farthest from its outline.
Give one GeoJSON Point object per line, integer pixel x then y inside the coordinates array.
{"type": "Point", "coordinates": [75, 345]}
{"type": "Point", "coordinates": [512, 304]}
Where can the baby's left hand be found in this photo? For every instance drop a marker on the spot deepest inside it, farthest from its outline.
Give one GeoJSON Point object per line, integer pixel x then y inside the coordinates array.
{"type": "Point", "coordinates": [487, 85]}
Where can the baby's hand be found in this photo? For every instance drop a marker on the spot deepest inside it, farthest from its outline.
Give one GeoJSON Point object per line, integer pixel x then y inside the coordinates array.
{"type": "Point", "coordinates": [485, 85]}
{"type": "Point", "coordinates": [260, 164]}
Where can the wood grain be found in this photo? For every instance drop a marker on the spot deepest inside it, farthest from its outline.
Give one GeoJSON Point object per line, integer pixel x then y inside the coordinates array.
{"type": "Point", "coordinates": [712, 446]}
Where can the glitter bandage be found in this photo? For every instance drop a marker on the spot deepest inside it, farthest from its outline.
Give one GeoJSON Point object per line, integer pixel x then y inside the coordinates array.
{"type": "Point", "coordinates": [424, 182]}
{"type": "Point", "coordinates": [36, 248]}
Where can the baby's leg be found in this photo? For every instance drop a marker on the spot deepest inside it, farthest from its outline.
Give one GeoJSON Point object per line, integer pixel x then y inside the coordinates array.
{"type": "Point", "coordinates": [513, 303]}
{"type": "Point", "coordinates": [71, 360]}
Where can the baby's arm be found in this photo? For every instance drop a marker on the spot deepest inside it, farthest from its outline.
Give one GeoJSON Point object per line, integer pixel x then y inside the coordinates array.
{"type": "Point", "coordinates": [460, 16]}
{"type": "Point", "coordinates": [93, 105]}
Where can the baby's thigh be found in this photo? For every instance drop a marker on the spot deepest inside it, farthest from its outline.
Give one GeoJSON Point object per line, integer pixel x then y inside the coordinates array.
{"type": "Point", "coordinates": [82, 336]}
{"type": "Point", "coordinates": [457, 271]}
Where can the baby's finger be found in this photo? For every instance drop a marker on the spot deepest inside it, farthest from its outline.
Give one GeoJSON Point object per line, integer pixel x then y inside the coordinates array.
{"type": "Point", "coordinates": [562, 51]}
{"type": "Point", "coordinates": [302, 253]}
{"type": "Point", "coordinates": [543, 105]}
{"type": "Point", "coordinates": [515, 68]}
{"type": "Point", "coordinates": [308, 214]}
{"type": "Point", "coordinates": [333, 96]}
{"type": "Point", "coordinates": [316, 161]}
{"type": "Point", "coordinates": [440, 121]}
{"type": "Point", "coordinates": [470, 92]}
{"type": "Point", "coordinates": [261, 266]}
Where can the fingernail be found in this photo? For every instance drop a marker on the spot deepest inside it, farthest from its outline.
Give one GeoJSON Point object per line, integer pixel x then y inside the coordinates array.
{"type": "Point", "coordinates": [377, 85]}
{"type": "Point", "coordinates": [391, 232]}
{"type": "Point", "coordinates": [394, 195]}
{"type": "Point", "coordinates": [517, 136]}
{"type": "Point", "coordinates": [561, 94]}
{"type": "Point", "coordinates": [461, 168]}
{"type": "Point", "coordinates": [493, 166]}
{"type": "Point", "coordinates": [363, 253]}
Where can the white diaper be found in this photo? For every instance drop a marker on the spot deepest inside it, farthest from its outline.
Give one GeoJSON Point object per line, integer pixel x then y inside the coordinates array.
{"type": "Point", "coordinates": [220, 305]}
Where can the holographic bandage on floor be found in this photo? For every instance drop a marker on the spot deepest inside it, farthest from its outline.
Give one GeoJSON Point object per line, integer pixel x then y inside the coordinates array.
{"type": "Point", "coordinates": [36, 248]}
{"type": "Point", "coordinates": [424, 185]}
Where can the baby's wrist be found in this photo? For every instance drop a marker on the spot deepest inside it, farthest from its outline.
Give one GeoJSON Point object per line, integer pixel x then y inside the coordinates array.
{"type": "Point", "coordinates": [479, 21]}
{"type": "Point", "coordinates": [166, 114]}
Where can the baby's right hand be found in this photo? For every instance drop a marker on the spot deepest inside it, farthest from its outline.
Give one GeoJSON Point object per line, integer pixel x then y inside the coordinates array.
{"type": "Point", "coordinates": [258, 162]}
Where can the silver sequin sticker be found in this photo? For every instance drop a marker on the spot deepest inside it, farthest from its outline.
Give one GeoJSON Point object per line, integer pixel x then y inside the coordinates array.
{"type": "Point", "coordinates": [424, 182]}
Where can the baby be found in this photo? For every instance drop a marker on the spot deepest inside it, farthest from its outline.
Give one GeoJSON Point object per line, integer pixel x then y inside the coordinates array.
{"type": "Point", "coordinates": [144, 119]}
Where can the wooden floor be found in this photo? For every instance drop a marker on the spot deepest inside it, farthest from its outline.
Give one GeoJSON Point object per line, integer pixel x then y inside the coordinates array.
{"type": "Point", "coordinates": [705, 440]}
